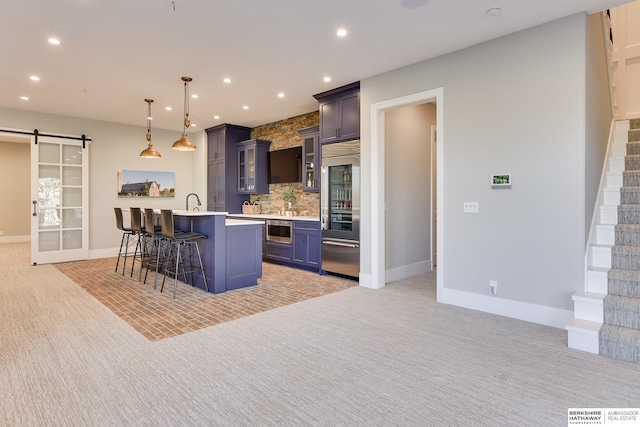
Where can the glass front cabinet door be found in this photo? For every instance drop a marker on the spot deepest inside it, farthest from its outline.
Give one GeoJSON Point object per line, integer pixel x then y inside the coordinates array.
{"type": "Point", "coordinates": [252, 166]}
{"type": "Point", "coordinates": [310, 165]}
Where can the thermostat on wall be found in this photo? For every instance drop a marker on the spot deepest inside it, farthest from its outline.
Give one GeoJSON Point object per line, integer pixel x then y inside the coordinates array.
{"type": "Point", "coordinates": [502, 180]}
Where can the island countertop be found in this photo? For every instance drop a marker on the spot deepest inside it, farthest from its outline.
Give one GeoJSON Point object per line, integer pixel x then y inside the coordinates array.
{"type": "Point", "coordinates": [275, 216]}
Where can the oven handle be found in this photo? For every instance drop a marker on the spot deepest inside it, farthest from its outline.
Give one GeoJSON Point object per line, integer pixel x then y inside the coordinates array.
{"type": "Point", "coordinates": [339, 243]}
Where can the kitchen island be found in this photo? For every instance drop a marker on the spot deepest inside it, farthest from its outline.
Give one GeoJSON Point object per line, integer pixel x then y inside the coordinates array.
{"type": "Point", "coordinates": [232, 251]}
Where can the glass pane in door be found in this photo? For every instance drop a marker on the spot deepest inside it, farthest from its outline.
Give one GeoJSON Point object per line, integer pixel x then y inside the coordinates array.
{"type": "Point", "coordinates": [340, 194]}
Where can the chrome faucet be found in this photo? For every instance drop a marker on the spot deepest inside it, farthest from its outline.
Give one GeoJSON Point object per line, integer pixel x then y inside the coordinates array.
{"type": "Point", "coordinates": [197, 199]}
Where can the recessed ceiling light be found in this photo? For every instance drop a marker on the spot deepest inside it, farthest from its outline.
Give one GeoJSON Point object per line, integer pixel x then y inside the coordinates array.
{"type": "Point", "coordinates": [413, 4]}
{"type": "Point", "coordinates": [245, 107]}
{"type": "Point", "coordinates": [281, 95]}
{"type": "Point", "coordinates": [35, 78]}
{"type": "Point", "coordinates": [326, 79]}
{"type": "Point", "coordinates": [24, 98]}
{"type": "Point", "coordinates": [149, 118]}
{"type": "Point", "coordinates": [341, 32]}
{"type": "Point", "coordinates": [216, 117]}
{"type": "Point", "coordinates": [168, 108]}
{"type": "Point", "coordinates": [193, 125]}
{"type": "Point", "coordinates": [194, 96]}
{"type": "Point", "coordinates": [494, 11]}
{"type": "Point", "coordinates": [54, 40]}
{"type": "Point", "coordinates": [227, 80]}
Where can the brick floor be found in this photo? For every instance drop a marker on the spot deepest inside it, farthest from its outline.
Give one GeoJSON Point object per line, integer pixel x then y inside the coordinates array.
{"type": "Point", "coordinates": [157, 315]}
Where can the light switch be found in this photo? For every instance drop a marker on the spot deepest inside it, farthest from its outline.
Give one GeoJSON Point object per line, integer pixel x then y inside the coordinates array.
{"type": "Point", "coordinates": [471, 207]}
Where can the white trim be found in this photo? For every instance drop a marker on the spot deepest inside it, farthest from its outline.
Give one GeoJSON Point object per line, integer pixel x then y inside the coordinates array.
{"type": "Point", "coordinates": [377, 230]}
{"type": "Point", "coordinates": [515, 309]}
{"type": "Point", "coordinates": [405, 271]}
{"type": "Point", "coordinates": [15, 239]}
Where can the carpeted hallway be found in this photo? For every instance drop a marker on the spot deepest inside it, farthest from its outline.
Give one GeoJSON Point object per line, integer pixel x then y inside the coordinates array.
{"type": "Point", "coordinates": [356, 357]}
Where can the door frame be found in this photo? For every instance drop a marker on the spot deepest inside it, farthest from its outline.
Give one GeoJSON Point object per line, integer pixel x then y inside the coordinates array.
{"type": "Point", "coordinates": [376, 178]}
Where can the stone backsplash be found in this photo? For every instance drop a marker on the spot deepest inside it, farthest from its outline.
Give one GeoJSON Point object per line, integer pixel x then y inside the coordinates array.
{"type": "Point", "coordinates": [284, 134]}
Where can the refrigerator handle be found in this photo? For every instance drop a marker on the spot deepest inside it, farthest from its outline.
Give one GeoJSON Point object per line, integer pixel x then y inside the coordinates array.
{"type": "Point", "coordinates": [346, 245]}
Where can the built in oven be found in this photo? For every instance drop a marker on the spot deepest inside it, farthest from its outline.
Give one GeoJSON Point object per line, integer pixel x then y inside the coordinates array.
{"type": "Point", "coordinates": [279, 231]}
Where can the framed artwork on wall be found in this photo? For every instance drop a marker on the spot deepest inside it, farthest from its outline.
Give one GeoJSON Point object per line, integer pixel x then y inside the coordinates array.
{"type": "Point", "coordinates": [502, 180]}
{"type": "Point", "coordinates": [135, 183]}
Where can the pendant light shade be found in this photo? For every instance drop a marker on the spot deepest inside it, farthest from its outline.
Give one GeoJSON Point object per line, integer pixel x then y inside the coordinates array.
{"type": "Point", "coordinates": [184, 144]}
{"type": "Point", "coordinates": [149, 152]}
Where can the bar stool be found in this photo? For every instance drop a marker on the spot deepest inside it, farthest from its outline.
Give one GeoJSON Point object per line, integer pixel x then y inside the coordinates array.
{"type": "Point", "coordinates": [136, 226]}
{"type": "Point", "coordinates": [125, 242]}
{"type": "Point", "coordinates": [176, 262]}
{"type": "Point", "coordinates": [152, 245]}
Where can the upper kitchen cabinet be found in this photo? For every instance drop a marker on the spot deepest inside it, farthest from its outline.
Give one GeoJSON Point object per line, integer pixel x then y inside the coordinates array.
{"type": "Point", "coordinates": [339, 113]}
{"type": "Point", "coordinates": [310, 159]}
{"type": "Point", "coordinates": [252, 175]}
{"type": "Point", "coordinates": [222, 168]}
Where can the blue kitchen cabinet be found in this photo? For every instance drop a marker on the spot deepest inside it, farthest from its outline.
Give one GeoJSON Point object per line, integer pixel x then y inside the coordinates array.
{"type": "Point", "coordinates": [311, 159]}
{"type": "Point", "coordinates": [306, 244]}
{"type": "Point", "coordinates": [339, 114]}
{"type": "Point", "coordinates": [252, 166]}
{"type": "Point", "coordinates": [222, 168]}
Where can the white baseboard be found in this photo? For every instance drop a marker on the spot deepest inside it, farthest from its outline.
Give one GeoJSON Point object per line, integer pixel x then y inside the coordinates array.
{"type": "Point", "coordinates": [405, 271]}
{"type": "Point", "coordinates": [365, 280]}
{"type": "Point", "coordinates": [103, 253]}
{"type": "Point", "coordinates": [15, 239]}
{"type": "Point", "coordinates": [515, 309]}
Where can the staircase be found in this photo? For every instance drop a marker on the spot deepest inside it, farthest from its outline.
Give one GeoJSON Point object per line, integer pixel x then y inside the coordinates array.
{"type": "Point", "coordinates": [607, 313]}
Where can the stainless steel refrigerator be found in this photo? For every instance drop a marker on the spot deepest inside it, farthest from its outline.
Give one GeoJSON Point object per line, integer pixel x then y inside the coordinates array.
{"type": "Point", "coordinates": [340, 208]}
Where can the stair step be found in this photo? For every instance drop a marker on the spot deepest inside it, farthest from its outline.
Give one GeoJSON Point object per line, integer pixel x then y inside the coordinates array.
{"type": "Point", "coordinates": [620, 343]}
{"type": "Point", "coordinates": [622, 126]}
{"type": "Point", "coordinates": [608, 215]}
{"type": "Point", "coordinates": [623, 282]}
{"type": "Point", "coordinates": [588, 306]}
{"type": "Point", "coordinates": [632, 163]}
{"type": "Point", "coordinates": [634, 124]}
{"type": "Point", "coordinates": [634, 135]}
{"type": "Point", "coordinates": [612, 196]}
{"type": "Point", "coordinates": [583, 335]}
{"type": "Point", "coordinates": [633, 146]}
{"type": "Point", "coordinates": [629, 195]}
{"type": "Point", "coordinates": [625, 257]}
{"type": "Point", "coordinates": [631, 178]}
{"type": "Point", "coordinates": [600, 256]}
{"type": "Point", "coordinates": [605, 234]}
{"type": "Point", "coordinates": [628, 214]}
{"type": "Point", "coordinates": [615, 180]}
{"type": "Point", "coordinates": [621, 311]}
{"type": "Point", "coordinates": [597, 280]}
{"type": "Point", "coordinates": [626, 234]}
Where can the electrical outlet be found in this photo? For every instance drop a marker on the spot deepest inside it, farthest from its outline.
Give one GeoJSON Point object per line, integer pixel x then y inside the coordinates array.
{"type": "Point", "coordinates": [471, 207]}
{"type": "Point", "coordinates": [493, 287]}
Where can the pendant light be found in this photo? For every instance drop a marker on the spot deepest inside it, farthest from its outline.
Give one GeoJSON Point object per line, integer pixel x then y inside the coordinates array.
{"type": "Point", "coordinates": [149, 152]}
{"type": "Point", "coordinates": [183, 144]}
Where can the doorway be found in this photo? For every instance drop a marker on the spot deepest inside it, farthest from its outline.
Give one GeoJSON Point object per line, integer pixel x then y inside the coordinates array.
{"type": "Point", "coordinates": [376, 177]}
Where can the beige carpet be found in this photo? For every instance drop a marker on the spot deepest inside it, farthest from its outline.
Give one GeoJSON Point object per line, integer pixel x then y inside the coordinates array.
{"type": "Point", "coordinates": [358, 357]}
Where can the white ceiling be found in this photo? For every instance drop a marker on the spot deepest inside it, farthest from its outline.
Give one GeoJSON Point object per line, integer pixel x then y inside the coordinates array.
{"type": "Point", "coordinates": [115, 53]}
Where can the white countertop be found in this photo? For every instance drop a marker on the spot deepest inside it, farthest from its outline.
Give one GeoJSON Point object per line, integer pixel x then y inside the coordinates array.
{"type": "Point", "coordinates": [274, 216]}
{"type": "Point", "coordinates": [197, 213]}
{"type": "Point", "coordinates": [231, 222]}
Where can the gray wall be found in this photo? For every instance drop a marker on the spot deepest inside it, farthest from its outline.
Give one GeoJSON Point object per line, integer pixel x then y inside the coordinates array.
{"type": "Point", "coordinates": [512, 105]}
{"type": "Point", "coordinates": [598, 113]}
{"type": "Point", "coordinates": [407, 192]}
{"type": "Point", "coordinates": [15, 175]}
{"type": "Point", "coordinates": [114, 147]}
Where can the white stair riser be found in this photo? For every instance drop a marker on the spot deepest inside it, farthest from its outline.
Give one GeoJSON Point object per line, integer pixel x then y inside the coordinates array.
{"type": "Point", "coordinates": [622, 127]}
{"type": "Point", "coordinates": [616, 164]}
{"type": "Point", "coordinates": [600, 256]}
{"type": "Point", "coordinates": [589, 310]}
{"type": "Point", "coordinates": [605, 235]}
{"type": "Point", "coordinates": [614, 181]}
{"type": "Point", "coordinates": [583, 342]}
{"type": "Point", "coordinates": [611, 197]}
{"type": "Point", "coordinates": [608, 215]}
{"type": "Point", "coordinates": [597, 282]}
{"type": "Point", "coordinates": [618, 150]}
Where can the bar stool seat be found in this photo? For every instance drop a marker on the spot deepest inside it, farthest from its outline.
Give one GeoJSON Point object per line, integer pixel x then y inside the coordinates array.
{"type": "Point", "coordinates": [154, 240]}
{"type": "Point", "coordinates": [177, 262]}
{"type": "Point", "coordinates": [126, 242]}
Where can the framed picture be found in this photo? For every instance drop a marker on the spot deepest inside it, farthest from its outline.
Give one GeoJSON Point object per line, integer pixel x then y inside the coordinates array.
{"type": "Point", "coordinates": [134, 183]}
{"type": "Point", "coordinates": [502, 180]}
